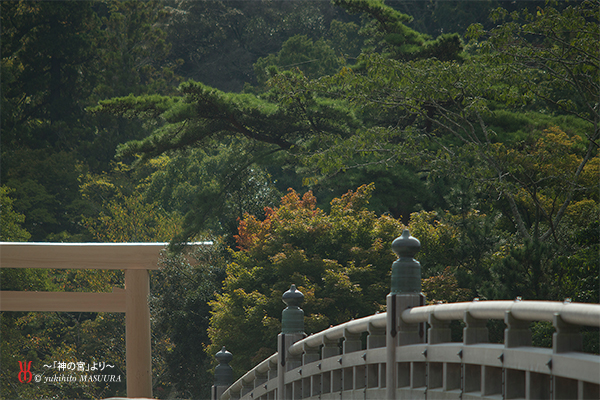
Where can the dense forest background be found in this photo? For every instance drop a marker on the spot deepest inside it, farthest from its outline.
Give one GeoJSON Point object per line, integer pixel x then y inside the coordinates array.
{"type": "Point", "coordinates": [300, 137]}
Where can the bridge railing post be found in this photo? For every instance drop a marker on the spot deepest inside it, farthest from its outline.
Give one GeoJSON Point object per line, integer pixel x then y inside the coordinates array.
{"type": "Point", "coordinates": [311, 354]}
{"type": "Point", "coordinates": [517, 332]}
{"type": "Point", "coordinates": [405, 293]}
{"type": "Point", "coordinates": [330, 348]}
{"type": "Point", "coordinates": [567, 337]}
{"type": "Point", "coordinates": [292, 330]}
{"type": "Point", "coordinates": [376, 337]}
{"type": "Point", "coordinates": [475, 330]}
{"type": "Point", "coordinates": [439, 331]}
{"type": "Point", "coordinates": [223, 374]}
{"type": "Point", "coordinates": [351, 342]}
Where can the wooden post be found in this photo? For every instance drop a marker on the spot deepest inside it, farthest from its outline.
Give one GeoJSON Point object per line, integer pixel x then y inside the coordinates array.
{"type": "Point", "coordinates": [137, 334]}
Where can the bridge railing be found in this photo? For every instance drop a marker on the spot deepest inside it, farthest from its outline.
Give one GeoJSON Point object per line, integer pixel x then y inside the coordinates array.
{"type": "Point", "coordinates": [572, 313]}
{"type": "Point", "coordinates": [400, 359]}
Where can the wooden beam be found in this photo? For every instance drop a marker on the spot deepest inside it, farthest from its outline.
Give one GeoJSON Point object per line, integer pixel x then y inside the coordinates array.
{"type": "Point", "coordinates": [80, 255]}
{"type": "Point", "coordinates": [63, 301]}
{"type": "Point", "coordinates": [138, 350]}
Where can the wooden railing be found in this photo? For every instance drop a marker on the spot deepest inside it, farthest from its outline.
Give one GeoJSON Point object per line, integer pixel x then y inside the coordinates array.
{"type": "Point", "coordinates": [319, 368]}
{"type": "Point", "coordinates": [407, 352]}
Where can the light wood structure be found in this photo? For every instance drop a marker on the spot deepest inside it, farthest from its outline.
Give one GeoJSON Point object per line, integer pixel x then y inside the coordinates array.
{"type": "Point", "coordinates": [135, 258]}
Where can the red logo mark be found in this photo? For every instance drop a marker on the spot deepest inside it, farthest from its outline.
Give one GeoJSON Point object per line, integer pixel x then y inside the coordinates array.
{"type": "Point", "coordinates": [25, 375]}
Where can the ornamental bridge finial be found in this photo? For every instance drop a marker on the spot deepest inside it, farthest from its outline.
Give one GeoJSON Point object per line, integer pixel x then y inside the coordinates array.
{"type": "Point", "coordinates": [406, 271]}
{"type": "Point", "coordinates": [292, 318]}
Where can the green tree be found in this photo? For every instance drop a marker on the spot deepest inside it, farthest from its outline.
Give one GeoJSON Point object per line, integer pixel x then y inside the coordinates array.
{"type": "Point", "coordinates": [442, 116]}
{"type": "Point", "coordinates": [344, 38]}
{"type": "Point", "coordinates": [10, 227]}
{"type": "Point", "coordinates": [14, 279]}
{"type": "Point", "coordinates": [557, 52]}
{"type": "Point", "coordinates": [181, 291]}
{"type": "Point", "coordinates": [11, 230]}
{"type": "Point", "coordinates": [46, 50]}
{"type": "Point", "coordinates": [256, 128]}
{"type": "Point", "coordinates": [288, 117]}
{"type": "Point", "coordinates": [214, 186]}
{"type": "Point", "coordinates": [439, 16]}
{"type": "Point", "coordinates": [341, 260]}
{"type": "Point", "coordinates": [387, 33]}
{"type": "Point", "coordinates": [313, 58]}
{"type": "Point", "coordinates": [467, 121]}
{"type": "Point", "coordinates": [186, 281]}
{"type": "Point", "coordinates": [46, 53]}
{"type": "Point", "coordinates": [453, 119]}
{"type": "Point", "coordinates": [219, 41]}
{"type": "Point", "coordinates": [57, 59]}
{"type": "Point", "coordinates": [130, 219]}
{"type": "Point", "coordinates": [43, 338]}
{"type": "Point", "coordinates": [133, 49]}
{"type": "Point", "coordinates": [132, 57]}
{"type": "Point", "coordinates": [46, 189]}
{"type": "Point", "coordinates": [457, 253]}
{"type": "Point", "coordinates": [83, 337]}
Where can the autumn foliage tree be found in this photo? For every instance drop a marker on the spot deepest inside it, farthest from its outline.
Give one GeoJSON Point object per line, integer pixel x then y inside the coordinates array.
{"type": "Point", "coordinates": [340, 260]}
